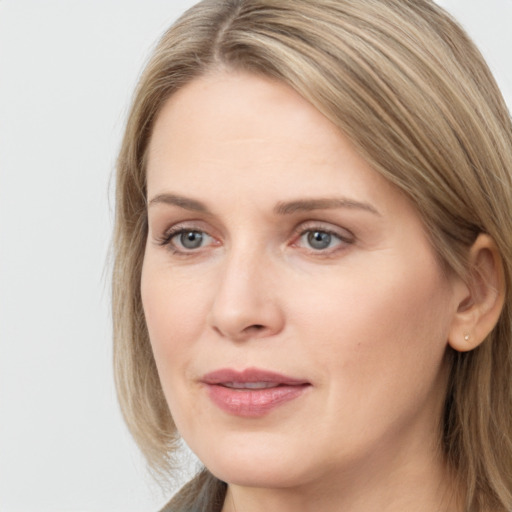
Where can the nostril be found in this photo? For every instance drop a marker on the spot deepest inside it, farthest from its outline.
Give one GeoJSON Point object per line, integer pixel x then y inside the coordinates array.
{"type": "Point", "coordinates": [254, 327]}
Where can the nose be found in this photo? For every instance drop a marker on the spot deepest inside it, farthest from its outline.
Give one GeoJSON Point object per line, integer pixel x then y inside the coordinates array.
{"type": "Point", "coordinates": [246, 303]}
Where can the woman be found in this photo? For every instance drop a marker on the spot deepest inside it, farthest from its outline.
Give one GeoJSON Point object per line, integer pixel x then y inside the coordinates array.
{"type": "Point", "coordinates": [313, 260]}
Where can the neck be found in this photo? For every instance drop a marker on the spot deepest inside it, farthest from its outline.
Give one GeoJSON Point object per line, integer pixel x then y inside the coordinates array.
{"type": "Point", "coordinates": [425, 486]}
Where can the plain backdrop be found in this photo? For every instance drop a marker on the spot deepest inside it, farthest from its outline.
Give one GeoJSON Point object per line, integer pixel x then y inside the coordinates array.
{"type": "Point", "coordinates": [67, 71]}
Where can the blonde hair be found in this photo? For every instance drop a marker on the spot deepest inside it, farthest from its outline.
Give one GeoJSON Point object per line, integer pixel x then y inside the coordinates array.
{"type": "Point", "coordinates": [403, 81]}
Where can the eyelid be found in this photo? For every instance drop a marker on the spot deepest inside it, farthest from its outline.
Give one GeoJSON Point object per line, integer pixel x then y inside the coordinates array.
{"type": "Point", "coordinates": [327, 227]}
{"type": "Point", "coordinates": [162, 232]}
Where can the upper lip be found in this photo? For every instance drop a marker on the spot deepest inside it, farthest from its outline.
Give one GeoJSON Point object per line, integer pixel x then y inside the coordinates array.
{"type": "Point", "coordinates": [228, 375]}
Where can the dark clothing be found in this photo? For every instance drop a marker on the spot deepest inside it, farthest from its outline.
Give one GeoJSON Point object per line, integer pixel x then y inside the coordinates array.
{"type": "Point", "coordinates": [204, 493]}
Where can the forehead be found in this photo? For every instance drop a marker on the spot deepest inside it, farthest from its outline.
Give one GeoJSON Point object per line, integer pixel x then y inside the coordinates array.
{"type": "Point", "coordinates": [224, 107]}
{"type": "Point", "coordinates": [231, 133]}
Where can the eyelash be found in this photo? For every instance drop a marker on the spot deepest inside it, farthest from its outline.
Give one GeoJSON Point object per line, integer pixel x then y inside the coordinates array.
{"type": "Point", "coordinates": [343, 240]}
{"type": "Point", "coordinates": [167, 239]}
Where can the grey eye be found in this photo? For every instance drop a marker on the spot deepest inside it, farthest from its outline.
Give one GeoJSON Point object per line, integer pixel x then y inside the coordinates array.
{"type": "Point", "coordinates": [191, 239]}
{"type": "Point", "coordinates": [319, 240]}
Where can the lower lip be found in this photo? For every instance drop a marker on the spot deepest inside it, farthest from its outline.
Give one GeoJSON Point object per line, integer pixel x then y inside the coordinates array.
{"type": "Point", "coordinates": [252, 403]}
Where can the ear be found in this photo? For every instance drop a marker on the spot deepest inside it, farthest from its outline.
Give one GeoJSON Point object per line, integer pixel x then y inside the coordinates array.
{"type": "Point", "coordinates": [481, 299]}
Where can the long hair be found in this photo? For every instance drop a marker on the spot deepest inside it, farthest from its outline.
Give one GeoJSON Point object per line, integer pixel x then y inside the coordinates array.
{"type": "Point", "coordinates": [404, 82]}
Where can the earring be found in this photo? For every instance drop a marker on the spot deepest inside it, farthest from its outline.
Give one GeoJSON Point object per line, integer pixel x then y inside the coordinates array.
{"type": "Point", "coordinates": [466, 337]}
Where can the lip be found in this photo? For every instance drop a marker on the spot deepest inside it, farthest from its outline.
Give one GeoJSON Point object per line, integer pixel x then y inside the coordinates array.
{"type": "Point", "coordinates": [238, 392]}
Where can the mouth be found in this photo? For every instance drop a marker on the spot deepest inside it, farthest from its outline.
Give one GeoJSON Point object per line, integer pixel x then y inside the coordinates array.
{"type": "Point", "coordinates": [249, 385]}
{"type": "Point", "coordinates": [252, 392]}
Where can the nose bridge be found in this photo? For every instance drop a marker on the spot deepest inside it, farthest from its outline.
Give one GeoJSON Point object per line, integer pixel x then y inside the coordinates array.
{"type": "Point", "coordinates": [245, 304]}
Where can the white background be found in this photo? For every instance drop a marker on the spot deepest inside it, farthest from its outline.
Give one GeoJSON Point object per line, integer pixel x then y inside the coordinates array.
{"type": "Point", "coordinates": [67, 70]}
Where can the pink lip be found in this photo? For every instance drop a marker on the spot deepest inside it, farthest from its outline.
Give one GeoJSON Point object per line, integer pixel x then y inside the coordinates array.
{"type": "Point", "coordinates": [251, 403]}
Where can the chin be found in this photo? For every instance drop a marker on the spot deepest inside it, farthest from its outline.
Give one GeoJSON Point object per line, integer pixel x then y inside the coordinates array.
{"type": "Point", "coordinates": [263, 464]}
{"type": "Point", "coordinates": [250, 474]}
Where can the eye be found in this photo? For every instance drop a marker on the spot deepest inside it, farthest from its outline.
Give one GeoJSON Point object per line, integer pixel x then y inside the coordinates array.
{"type": "Point", "coordinates": [189, 239]}
{"type": "Point", "coordinates": [183, 240]}
{"type": "Point", "coordinates": [317, 239]}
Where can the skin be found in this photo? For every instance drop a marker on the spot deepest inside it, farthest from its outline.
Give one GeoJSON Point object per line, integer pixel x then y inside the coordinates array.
{"type": "Point", "coordinates": [365, 320]}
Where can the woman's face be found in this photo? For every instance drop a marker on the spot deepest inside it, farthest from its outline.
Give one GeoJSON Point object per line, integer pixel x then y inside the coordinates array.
{"type": "Point", "coordinates": [296, 310]}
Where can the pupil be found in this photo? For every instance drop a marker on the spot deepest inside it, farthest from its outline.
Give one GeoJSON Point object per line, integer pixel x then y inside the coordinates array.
{"type": "Point", "coordinates": [191, 240]}
{"type": "Point", "coordinates": [319, 239]}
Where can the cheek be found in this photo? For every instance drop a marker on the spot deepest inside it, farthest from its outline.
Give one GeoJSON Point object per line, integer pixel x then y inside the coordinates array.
{"type": "Point", "coordinates": [389, 321]}
{"type": "Point", "coordinates": [377, 340]}
{"type": "Point", "coordinates": [175, 313]}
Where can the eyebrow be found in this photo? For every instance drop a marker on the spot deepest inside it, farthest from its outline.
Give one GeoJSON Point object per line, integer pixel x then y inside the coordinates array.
{"type": "Point", "coordinates": [181, 201]}
{"type": "Point", "coordinates": [281, 208]}
{"type": "Point", "coordinates": [306, 205]}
